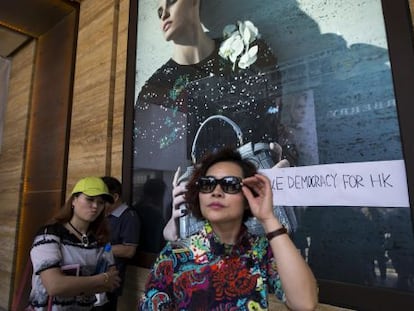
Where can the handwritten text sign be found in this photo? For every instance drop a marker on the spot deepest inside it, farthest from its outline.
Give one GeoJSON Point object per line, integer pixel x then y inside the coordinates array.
{"type": "Point", "coordinates": [378, 183]}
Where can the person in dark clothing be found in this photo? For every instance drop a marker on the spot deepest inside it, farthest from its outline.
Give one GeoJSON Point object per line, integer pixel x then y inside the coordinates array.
{"type": "Point", "coordinates": [124, 229]}
{"type": "Point", "coordinates": [149, 209]}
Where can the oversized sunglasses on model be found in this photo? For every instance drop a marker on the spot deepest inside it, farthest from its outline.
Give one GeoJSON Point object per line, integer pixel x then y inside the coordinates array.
{"type": "Point", "coordinates": [229, 184]}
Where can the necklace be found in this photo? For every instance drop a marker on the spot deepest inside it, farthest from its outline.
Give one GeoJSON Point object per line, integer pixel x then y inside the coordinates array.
{"type": "Point", "coordinates": [84, 237]}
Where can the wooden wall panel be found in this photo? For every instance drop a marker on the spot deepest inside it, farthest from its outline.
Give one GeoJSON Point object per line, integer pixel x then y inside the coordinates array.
{"type": "Point", "coordinates": [44, 174]}
{"type": "Point", "coordinates": [93, 92]}
{"type": "Point", "coordinates": [119, 96]}
{"type": "Point", "coordinates": [11, 162]}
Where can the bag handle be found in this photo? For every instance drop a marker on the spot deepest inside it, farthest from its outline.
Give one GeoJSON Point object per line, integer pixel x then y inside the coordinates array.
{"type": "Point", "coordinates": [235, 127]}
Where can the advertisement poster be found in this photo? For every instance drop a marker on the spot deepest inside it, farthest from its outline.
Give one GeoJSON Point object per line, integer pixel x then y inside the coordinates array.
{"type": "Point", "coordinates": [315, 89]}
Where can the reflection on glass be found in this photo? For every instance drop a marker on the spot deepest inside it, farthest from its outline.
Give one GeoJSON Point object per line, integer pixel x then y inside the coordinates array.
{"type": "Point", "coordinates": [321, 89]}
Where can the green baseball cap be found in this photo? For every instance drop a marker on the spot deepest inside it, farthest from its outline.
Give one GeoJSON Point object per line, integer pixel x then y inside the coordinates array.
{"type": "Point", "coordinates": [93, 186]}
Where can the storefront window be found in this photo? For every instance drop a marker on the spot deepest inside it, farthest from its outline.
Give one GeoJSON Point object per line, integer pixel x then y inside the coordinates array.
{"type": "Point", "coordinates": [320, 90]}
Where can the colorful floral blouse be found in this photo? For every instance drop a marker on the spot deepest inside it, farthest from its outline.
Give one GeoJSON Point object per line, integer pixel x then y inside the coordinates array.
{"type": "Point", "coordinates": [201, 273]}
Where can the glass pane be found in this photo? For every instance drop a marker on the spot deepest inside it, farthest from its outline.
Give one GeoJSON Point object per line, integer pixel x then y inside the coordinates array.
{"type": "Point", "coordinates": [319, 92]}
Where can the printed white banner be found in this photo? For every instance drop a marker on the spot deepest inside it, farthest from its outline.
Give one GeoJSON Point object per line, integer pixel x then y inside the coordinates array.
{"type": "Point", "coordinates": [377, 183]}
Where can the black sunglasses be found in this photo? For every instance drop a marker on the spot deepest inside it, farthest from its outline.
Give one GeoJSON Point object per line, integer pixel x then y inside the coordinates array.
{"type": "Point", "coordinates": [229, 184]}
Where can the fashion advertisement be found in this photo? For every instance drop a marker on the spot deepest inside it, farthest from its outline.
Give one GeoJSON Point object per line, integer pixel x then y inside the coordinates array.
{"type": "Point", "coordinates": [306, 82]}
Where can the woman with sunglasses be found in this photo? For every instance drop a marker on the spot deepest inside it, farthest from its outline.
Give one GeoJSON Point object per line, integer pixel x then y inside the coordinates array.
{"type": "Point", "coordinates": [223, 266]}
{"type": "Point", "coordinates": [65, 252]}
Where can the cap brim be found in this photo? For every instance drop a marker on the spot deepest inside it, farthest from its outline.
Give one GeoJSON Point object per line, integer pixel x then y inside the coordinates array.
{"type": "Point", "coordinates": [107, 197]}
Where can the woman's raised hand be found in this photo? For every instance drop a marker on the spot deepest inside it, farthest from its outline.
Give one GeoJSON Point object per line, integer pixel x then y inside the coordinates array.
{"type": "Point", "coordinates": [258, 193]}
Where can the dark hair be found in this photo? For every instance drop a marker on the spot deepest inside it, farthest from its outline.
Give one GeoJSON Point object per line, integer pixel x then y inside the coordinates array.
{"type": "Point", "coordinates": [154, 188]}
{"type": "Point", "coordinates": [99, 227]}
{"type": "Point", "coordinates": [153, 193]}
{"type": "Point", "coordinates": [223, 155]}
{"type": "Point", "coordinates": [113, 184]}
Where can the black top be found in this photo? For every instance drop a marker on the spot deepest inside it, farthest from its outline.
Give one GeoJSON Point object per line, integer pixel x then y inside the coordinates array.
{"type": "Point", "coordinates": [178, 98]}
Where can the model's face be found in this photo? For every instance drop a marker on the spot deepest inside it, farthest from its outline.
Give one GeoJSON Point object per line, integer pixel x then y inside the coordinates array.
{"type": "Point", "coordinates": [87, 208]}
{"type": "Point", "coordinates": [177, 18]}
{"type": "Point", "coordinates": [299, 109]}
{"type": "Point", "coordinates": [218, 206]}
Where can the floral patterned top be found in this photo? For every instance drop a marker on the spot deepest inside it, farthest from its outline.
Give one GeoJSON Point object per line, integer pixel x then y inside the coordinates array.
{"type": "Point", "coordinates": [201, 273]}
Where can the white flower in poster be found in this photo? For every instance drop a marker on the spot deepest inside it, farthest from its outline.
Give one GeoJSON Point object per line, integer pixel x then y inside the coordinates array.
{"type": "Point", "coordinates": [236, 46]}
{"type": "Point", "coordinates": [232, 47]}
{"type": "Point", "coordinates": [248, 58]}
{"type": "Point", "coordinates": [249, 32]}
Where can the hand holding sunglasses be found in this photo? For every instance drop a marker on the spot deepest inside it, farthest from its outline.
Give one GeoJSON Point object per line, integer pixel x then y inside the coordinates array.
{"type": "Point", "coordinates": [258, 193]}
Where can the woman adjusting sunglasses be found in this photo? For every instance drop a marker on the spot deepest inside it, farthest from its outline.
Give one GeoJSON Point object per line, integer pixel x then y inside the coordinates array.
{"type": "Point", "coordinates": [223, 266]}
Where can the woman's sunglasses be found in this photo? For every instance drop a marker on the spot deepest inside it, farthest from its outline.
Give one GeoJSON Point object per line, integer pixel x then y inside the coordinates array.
{"type": "Point", "coordinates": [229, 184]}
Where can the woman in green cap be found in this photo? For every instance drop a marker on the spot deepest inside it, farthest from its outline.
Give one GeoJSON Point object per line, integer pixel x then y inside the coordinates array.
{"type": "Point", "coordinates": [65, 253]}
